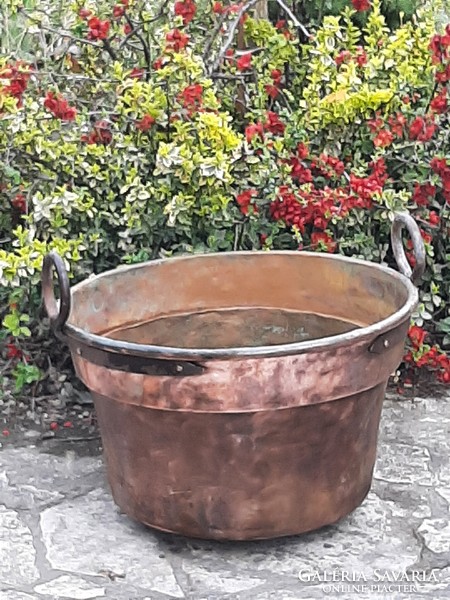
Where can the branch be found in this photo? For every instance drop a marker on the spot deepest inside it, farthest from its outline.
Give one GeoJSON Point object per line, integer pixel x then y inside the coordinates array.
{"type": "Point", "coordinates": [145, 48]}
{"type": "Point", "coordinates": [77, 77]}
{"type": "Point", "coordinates": [135, 29]}
{"type": "Point", "coordinates": [86, 438]}
{"type": "Point", "coordinates": [215, 33]}
{"type": "Point", "coordinates": [433, 92]}
{"type": "Point", "coordinates": [109, 49]}
{"type": "Point", "coordinates": [61, 33]}
{"type": "Point", "coordinates": [143, 22]}
{"type": "Point", "coordinates": [231, 33]}
{"type": "Point", "coordinates": [226, 77]}
{"type": "Point", "coordinates": [293, 18]}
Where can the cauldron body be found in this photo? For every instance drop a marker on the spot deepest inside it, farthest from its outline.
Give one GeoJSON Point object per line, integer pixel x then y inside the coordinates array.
{"type": "Point", "coordinates": [242, 442]}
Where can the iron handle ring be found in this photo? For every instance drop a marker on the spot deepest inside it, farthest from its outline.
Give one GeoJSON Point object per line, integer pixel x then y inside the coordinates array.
{"type": "Point", "coordinates": [402, 220]}
{"type": "Point", "coordinates": [57, 312]}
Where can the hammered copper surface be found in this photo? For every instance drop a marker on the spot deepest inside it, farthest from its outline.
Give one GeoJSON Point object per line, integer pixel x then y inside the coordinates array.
{"type": "Point", "coordinates": [250, 441]}
{"type": "Point", "coordinates": [245, 384]}
{"type": "Point", "coordinates": [241, 476]}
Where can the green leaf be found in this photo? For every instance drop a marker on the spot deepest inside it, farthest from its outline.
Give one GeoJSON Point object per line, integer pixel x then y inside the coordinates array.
{"type": "Point", "coordinates": [444, 325]}
{"type": "Point", "coordinates": [11, 322]}
{"type": "Point", "coordinates": [12, 174]}
{"type": "Point", "coordinates": [24, 375]}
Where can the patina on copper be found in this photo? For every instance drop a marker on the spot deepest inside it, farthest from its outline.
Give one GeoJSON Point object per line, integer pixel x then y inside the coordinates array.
{"type": "Point", "coordinates": [239, 442]}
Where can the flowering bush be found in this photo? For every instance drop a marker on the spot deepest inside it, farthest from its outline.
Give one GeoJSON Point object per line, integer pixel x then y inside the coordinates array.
{"type": "Point", "coordinates": [130, 130]}
{"type": "Point", "coordinates": [394, 11]}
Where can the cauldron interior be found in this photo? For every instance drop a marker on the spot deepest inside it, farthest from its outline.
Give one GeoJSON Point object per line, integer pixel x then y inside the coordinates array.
{"type": "Point", "coordinates": [358, 292]}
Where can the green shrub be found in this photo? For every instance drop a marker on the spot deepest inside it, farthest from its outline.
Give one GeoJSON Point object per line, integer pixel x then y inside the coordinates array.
{"type": "Point", "coordinates": [394, 11]}
{"type": "Point", "coordinates": [135, 130]}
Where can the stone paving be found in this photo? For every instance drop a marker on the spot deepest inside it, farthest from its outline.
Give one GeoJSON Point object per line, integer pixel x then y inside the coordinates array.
{"type": "Point", "coordinates": [61, 537]}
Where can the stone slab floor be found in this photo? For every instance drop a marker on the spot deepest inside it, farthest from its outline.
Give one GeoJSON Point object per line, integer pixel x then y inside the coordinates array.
{"type": "Point", "coordinates": [62, 537]}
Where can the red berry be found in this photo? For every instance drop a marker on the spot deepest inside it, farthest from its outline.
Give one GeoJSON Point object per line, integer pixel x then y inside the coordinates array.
{"type": "Point", "coordinates": [244, 62]}
{"type": "Point", "coordinates": [118, 11]}
{"type": "Point", "coordinates": [84, 13]}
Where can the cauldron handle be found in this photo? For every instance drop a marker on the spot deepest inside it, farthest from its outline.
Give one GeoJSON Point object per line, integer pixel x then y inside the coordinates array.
{"type": "Point", "coordinates": [57, 314]}
{"type": "Point", "coordinates": [402, 220]}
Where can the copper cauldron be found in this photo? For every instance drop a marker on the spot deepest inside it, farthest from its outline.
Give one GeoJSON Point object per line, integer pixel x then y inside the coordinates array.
{"type": "Point", "coordinates": [239, 394]}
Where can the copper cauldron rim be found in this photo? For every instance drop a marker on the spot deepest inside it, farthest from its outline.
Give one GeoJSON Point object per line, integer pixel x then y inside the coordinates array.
{"type": "Point", "coordinates": [102, 343]}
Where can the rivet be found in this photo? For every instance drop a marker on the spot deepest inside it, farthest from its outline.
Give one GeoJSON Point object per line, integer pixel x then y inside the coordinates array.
{"type": "Point", "coordinates": [78, 351]}
{"type": "Point", "coordinates": [179, 368]}
{"type": "Point", "coordinates": [386, 343]}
